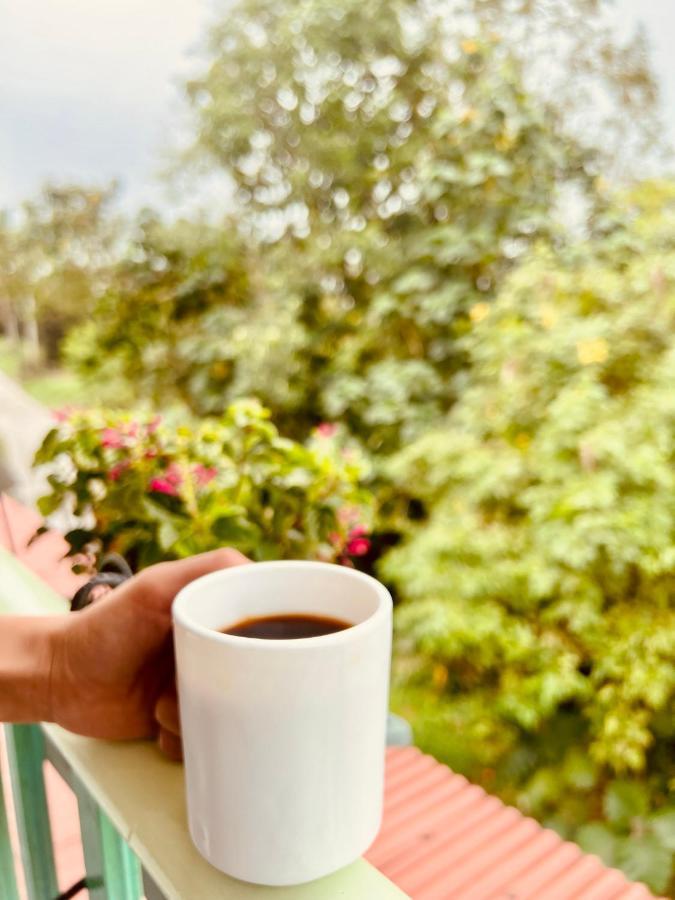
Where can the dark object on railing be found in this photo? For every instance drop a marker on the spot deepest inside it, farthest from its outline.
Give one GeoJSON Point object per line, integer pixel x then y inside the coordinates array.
{"type": "Point", "coordinates": [114, 570]}
{"type": "Point", "coordinates": [81, 885]}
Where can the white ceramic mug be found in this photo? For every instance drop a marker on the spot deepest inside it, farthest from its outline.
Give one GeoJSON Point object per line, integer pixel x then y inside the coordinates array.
{"type": "Point", "coordinates": [284, 740]}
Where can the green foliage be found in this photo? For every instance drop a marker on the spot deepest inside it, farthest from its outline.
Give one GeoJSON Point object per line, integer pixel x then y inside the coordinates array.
{"type": "Point", "coordinates": [56, 387]}
{"type": "Point", "coordinates": [171, 322]}
{"type": "Point", "coordinates": [155, 490]}
{"type": "Point", "coordinates": [624, 801]}
{"type": "Point", "coordinates": [574, 56]}
{"type": "Point", "coordinates": [387, 176]}
{"type": "Point", "coordinates": [644, 854]}
{"type": "Point", "coordinates": [540, 611]}
{"type": "Point", "coordinates": [398, 201]}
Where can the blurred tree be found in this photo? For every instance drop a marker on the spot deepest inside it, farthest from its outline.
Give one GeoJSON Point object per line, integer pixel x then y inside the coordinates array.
{"type": "Point", "coordinates": [392, 151]}
{"type": "Point", "coordinates": [574, 56]}
{"type": "Point", "coordinates": [54, 259]}
{"type": "Point", "coordinates": [392, 178]}
{"type": "Point", "coordinates": [537, 643]}
{"type": "Point", "coordinates": [75, 234]}
{"type": "Point", "coordinates": [393, 164]}
{"type": "Point", "coordinates": [170, 322]}
{"type": "Point", "coordinates": [11, 286]}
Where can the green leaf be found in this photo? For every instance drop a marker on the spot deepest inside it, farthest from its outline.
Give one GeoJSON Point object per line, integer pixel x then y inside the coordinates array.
{"type": "Point", "coordinates": [232, 530]}
{"type": "Point", "coordinates": [579, 770]}
{"type": "Point", "coordinates": [414, 280]}
{"type": "Point", "coordinates": [49, 503]}
{"type": "Point", "coordinates": [645, 859]}
{"type": "Point", "coordinates": [598, 839]}
{"type": "Point", "coordinates": [625, 800]}
{"type": "Point", "coordinates": [663, 825]}
{"type": "Point", "coordinates": [48, 449]}
{"type": "Point", "coordinates": [78, 538]}
{"type": "Point", "coordinates": [167, 534]}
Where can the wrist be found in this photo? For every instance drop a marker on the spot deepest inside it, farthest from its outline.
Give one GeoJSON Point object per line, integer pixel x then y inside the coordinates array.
{"type": "Point", "coordinates": [28, 645]}
{"type": "Point", "coordinates": [53, 653]}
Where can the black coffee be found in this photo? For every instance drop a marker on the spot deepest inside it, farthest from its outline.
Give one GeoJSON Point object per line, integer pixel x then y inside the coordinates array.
{"type": "Point", "coordinates": [286, 627]}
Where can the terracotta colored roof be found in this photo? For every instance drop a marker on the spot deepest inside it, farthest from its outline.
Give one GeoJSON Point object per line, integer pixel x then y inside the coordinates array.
{"type": "Point", "coordinates": [442, 838]}
{"type": "Point", "coordinates": [45, 555]}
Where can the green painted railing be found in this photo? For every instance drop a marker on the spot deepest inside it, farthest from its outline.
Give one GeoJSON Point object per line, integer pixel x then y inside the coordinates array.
{"type": "Point", "coordinates": [8, 887]}
{"type": "Point", "coordinates": [113, 871]}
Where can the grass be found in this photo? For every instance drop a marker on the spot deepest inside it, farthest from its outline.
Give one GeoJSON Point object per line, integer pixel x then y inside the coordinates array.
{"type": "Point", "coordinates": [9, 359]}
{"type": "Point", "coordinates": [56, 389]}
{"type": "Point", "coordinates": [59, 386]}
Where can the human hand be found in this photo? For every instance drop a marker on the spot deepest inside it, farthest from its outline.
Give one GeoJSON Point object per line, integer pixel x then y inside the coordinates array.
{"type": "Point", "coordinates": [112, 665]}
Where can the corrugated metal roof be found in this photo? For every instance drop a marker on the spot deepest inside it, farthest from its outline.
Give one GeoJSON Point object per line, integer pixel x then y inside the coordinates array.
{"type": "Point", "coordinates": [444, 838]}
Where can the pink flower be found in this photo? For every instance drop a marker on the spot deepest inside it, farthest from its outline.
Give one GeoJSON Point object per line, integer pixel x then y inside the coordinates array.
{"type": "Point", "coordinates": [348, 515]}
{"type": "Point", "coordinates": [162, 486]}
{"type": "Point", "coordinates": [358, 531]}
{"type": "Point", "coordinates": [204, 474]}
{"type": "Point", "coordinates": [151, 453]}
{"type": "Point", "coordinates": [169, 482]}
{"type": "Point", "coordinates": [153, 425]}
{"type": "Point", "coordinates": [63, 414]}
{"type": "Point", "coordinates": [358, 546]}
{"type": "Point", "coordinates": [173, 474]}
{"type": "Point", "coordinates": [117, 470]}
{"type": "Point", "coordinates": [326, 429]}
{"type": "Point", "coordinates": [112, 437]}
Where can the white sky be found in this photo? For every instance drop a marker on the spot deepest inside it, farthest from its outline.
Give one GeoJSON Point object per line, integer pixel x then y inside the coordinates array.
{"type": "Point", "coordinates": [90, 89]}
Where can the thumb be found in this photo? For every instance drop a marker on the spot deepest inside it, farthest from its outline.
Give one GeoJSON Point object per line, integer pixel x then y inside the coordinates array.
{"type": "Point", "coordinates": [149, 594]}
{"type": "Point", "coordinates": [157, 585]}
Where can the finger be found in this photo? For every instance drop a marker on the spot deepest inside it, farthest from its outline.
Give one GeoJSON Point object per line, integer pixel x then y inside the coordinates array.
{"type": "Point", "coordinates": [170, 745]}
{"type": "Point", "coordinates": [166, 712]}
{"type": "Point", "coordinates": [155, 587]}
{"type": "Point", "coordinates": [136, 616]}
{"type": "Point", "coordinates": [158, 585]}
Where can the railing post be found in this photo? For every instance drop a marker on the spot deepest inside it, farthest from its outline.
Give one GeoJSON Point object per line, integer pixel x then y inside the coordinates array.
{"type": "Point", "coordinates": [8, 889]}
{"type": "Point", "coordinates": [25, 750]}
{"type": "Point", "coordinates": [113, 871]}
{"type": "Point", "coordinates": [91, 843]}
{"type": "Point", "coordinates": [121, 869]}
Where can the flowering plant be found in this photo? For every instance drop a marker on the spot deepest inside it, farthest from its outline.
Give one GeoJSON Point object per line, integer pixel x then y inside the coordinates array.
{"type": "Point", "coordinates": [152, 490]}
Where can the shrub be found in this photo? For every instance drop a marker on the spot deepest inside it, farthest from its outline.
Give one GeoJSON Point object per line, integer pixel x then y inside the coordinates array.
{"type": "Point", "coordinates": [153, 490]}
{"type": "Point", "coordinates": [537, 643]}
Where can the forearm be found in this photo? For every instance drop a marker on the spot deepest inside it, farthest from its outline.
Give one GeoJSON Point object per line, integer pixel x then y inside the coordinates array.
{"type": "Point", "coordinates": [26, 645]}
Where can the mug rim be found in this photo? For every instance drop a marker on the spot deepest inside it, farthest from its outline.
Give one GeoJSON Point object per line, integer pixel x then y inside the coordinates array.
{"type": "Point", "coordinates": [181, 617]}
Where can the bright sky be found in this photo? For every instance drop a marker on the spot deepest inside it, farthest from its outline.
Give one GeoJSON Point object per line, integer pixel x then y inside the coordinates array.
{"type": "Point", "coordinates": [89, 89]}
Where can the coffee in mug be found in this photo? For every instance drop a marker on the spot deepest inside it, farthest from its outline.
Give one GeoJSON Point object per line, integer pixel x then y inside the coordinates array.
{"type": "Point", "coordinates": [286, 627]}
